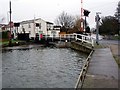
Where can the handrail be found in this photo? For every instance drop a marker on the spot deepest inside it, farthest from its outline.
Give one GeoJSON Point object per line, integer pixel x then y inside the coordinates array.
{"type": "Point", "coordinates": [83, 72]}
{"type": "Point", "coordinates": [84, 38]}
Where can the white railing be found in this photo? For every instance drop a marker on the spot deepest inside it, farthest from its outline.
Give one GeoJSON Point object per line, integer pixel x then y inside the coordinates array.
{"type": "Point", "coordinates": [85, 38]}
{"type": "Point", "coordinates": [77, 37]}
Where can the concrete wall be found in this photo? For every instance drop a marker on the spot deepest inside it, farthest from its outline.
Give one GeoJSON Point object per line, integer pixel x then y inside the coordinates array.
{"type": "Point", "coordinates": [74, 45]}
{"type": "Point", "coordinates": [79, 46]}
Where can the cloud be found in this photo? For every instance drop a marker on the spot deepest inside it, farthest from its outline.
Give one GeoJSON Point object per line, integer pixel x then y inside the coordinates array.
{"type": "Point", "coordinates": [50, 9]}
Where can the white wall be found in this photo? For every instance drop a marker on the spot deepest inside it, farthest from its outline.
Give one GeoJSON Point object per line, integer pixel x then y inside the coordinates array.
{"type": "Point", "coordinates": [43, 26]}
{"type": "Point", "coordinates": [29, 28]}
{"type": "Point", "coordinates": [33, 29]}
{"type": "Point", "coordinates": [54, 32]}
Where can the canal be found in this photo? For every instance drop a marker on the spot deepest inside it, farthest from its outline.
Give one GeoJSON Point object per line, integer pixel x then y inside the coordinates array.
{"type": "Point", "coordinates": [41, 67]}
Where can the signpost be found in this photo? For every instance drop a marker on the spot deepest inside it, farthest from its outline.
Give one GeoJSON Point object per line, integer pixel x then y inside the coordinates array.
{"type": "Point", "coordinates": [97, 19]}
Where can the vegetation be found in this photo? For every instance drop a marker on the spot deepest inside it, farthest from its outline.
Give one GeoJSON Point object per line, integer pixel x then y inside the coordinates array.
{"type": "Point", "coordinates": [117, 59]}
{"type": "Point", "coordinates": [69, 23]}
{"type": "Point", "coordinates": [110, 24]}
{"type": "Point", "coordinates": [117, 13]}
{"type": "Point", "coordinates": [5, 42]}
{"type": "Point", "coordinates": [4, 35]}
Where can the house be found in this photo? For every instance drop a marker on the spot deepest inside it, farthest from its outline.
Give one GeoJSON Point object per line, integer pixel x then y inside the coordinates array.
{"type": "Point", "coordinates": [54, 32]}
{"type": "Point", "coordinates": [35, 28]}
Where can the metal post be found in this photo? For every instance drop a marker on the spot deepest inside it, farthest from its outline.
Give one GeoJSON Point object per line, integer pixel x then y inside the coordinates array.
{"type": "Point", "coordinates": [76, 37]}
{"type": "Point", "coordinates": [97, 27]}
{"type": "Point", "coordinates": [81, 18]}
{"type": "Point", "coordinates": [82, 38]}
{"type": "Point", "coordinates": [10, 42]}
{"type": "Point", "coordinates": [119, 22]}
{"type": "Point", "coordinates": [92, 42]}
{"type": "Point", "coordinates": [85, 24]}
{"type": "Point", "coordinates": [60, 37]}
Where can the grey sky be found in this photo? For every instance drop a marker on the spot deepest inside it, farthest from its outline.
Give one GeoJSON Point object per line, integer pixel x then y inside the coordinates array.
{"type": "Point", "coordinates": [50, 9]}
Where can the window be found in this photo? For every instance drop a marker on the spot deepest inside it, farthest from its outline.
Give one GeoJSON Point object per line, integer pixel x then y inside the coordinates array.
{"type": "Point", "coordinates": [40, 26]}
{"type": "Point", "coordinates": [29, 25]}
{"type": "Point", "coordinates": [37, 25]}
{"type": "Point", "coordinates": [29, 32]}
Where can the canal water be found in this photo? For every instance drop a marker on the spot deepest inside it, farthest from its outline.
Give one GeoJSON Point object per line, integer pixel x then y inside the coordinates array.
{"type": "Point", "coordinates": [41, 67]}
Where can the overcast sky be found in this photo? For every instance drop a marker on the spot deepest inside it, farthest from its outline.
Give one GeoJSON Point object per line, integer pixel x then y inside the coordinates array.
{"type": "Point", "coordinates": [50, 9]}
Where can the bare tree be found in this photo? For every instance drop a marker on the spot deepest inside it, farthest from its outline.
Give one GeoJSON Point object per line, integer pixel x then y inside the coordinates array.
{"type": "Point", "coordinates": [77, 23]}
{"type": "Point", "coordinates": [77, 26]}
{"type": "Point", "coordinates": [65, 20]}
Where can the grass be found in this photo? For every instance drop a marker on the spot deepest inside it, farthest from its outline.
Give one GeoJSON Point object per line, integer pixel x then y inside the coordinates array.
{"type": "Point", "coordinates": [100, 46]}
{"type": "Point", "coordinates": [6, 42]}
{"type": "Point", "coordinates": [116, 37]}
{"type": "Point", "coordinates": [113, 37]}
{"type": "Point", "coordinates": [117, 59]}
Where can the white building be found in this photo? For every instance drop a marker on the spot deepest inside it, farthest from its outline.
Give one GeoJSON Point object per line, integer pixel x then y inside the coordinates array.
{"type": "Point", "coordinates": [33, 27]}
{"type": "Point", "coordinates": [54, 32]}
{"type": "Point", "coordinates": [36, 27]}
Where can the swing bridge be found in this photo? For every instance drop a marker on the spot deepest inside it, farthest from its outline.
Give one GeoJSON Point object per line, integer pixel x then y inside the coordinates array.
{"type": "Point", "coordinates": [71, 37]}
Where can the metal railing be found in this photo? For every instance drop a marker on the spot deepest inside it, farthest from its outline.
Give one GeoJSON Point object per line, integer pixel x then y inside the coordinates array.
{"type": "Point", "coordinates": [83, 72]}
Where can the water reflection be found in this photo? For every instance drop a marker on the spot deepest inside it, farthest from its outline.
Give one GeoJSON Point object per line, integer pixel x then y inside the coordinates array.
{"type": "Point", "coordinates": [41, 68]}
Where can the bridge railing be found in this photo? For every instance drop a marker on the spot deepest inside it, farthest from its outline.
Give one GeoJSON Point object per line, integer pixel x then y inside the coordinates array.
{"type": "Point", "coordinates": [67, 36]}
{"type": "Point", "coordinates": [77, 37]}
{"type": "Point", "coordinates": [85, 38]}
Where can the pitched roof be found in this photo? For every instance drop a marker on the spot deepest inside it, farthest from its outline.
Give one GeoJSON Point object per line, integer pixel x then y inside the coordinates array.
{"type": "Point", "coordinates": [49, 22]}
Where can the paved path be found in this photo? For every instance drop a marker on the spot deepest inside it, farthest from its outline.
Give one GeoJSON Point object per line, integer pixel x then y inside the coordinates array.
{"type": "Point", "coordinates": [102, 71]}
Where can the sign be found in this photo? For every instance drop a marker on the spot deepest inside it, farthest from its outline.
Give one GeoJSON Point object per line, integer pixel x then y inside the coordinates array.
{"type": "Point", "coordinates": [40, 35]}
